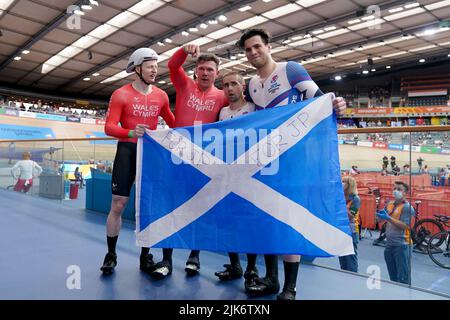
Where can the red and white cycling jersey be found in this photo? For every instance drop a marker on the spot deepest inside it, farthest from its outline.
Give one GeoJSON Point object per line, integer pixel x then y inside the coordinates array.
{"type": "Point", "coordinates": [130, 107]}
{"type": "Point", "coordinates": [192, 104]}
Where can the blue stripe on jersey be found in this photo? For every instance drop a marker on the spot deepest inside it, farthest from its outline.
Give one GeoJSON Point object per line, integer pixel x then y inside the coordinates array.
{"type": "Point", "coordinates": [280, 98]}
{"type": "Point", "coordinates": [296, 73]}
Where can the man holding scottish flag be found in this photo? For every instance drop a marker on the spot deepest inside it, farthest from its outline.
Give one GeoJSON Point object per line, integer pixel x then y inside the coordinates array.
{"type": "Point", "coordinates": [132, 108]}
{"type": "Point", "coordinates": [277, 84]}
{"type": "Point", "coordinates": [198, 102]}
{"type": "Point", "coordinates": [239, 185]}
{"type": "Point", "coordinates": [234, 86]}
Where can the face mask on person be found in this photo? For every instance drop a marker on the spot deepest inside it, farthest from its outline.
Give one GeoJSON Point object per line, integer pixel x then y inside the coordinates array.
{"type": "Point", "coordinates": [398, 194]}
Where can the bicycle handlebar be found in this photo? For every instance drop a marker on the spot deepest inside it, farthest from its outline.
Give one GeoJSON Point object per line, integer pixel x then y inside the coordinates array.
{"type": "Point", "coordinates": [443, 219]}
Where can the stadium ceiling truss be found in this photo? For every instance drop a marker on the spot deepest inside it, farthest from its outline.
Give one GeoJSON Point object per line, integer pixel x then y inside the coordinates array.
{"type": "Point", "coordinates": [82, 47]}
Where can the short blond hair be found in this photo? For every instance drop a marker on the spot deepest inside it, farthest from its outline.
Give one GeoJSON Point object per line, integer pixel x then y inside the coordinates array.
{"type": "Point", "coordinates": [234, 73]}
{"type": "Point", "coordinates": [352, 187]}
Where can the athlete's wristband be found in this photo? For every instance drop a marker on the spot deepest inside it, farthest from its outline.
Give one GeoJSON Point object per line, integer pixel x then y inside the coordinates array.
{"type": "Point", "coordinates": [130, 134]}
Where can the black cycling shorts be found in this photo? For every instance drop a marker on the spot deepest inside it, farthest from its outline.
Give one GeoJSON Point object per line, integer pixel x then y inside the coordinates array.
{"type": "Point", "coordinates": [124, 169]}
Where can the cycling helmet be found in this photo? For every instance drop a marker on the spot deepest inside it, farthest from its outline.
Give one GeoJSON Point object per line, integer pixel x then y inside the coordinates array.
{"type": "Point", "coordinates": [139, 56]}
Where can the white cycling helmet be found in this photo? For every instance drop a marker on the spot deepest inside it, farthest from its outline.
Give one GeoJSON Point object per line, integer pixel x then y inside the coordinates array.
{"type": "Point", "coordinates": [139, 56]}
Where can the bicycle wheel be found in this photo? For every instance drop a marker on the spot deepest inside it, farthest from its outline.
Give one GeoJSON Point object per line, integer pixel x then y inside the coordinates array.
{"type": "Point", "coordinates": [439, 249]}
{"type": "Point", "coordinates": [423, 230]}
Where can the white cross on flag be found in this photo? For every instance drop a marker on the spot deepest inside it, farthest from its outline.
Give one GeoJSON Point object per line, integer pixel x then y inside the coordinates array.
{"type": "Point", "coordinates": [266, 182]}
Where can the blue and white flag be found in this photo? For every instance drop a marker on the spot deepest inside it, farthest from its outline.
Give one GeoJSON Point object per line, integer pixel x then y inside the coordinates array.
{"type": "Point", "coordinates": [266, 182]}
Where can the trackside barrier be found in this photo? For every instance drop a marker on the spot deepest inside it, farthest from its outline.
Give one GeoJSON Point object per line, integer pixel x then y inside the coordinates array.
{"type": "Point", "coordinates": [434, 200]}
{"type": "Point", "coordinates": [367, 211]}
{"type": "Point", "coordinates": [427, 209]}
{"type": "Point", "coordinates": [363, 179]}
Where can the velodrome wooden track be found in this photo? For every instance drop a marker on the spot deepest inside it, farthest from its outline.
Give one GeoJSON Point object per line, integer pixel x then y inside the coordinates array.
{"type": "Point", "coordinates": [73, 150]}
{"type": "Point", "coordinates": [371, 158]}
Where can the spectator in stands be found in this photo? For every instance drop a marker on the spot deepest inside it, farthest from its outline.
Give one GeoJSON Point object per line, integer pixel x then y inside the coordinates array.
{"type": "Point", "coordinates": [419, 140]}
{"type": "Point", "coordinates": [406, 169]}
{"type": "Point", "coordinates": [398, 214]}
{"type": "Point", "coordinates": [448, 174]}
{"type": "Point", "coordinates": [78, 177]}
{"type": "Point", "coordinates": [384, 171]}
{"type": "Point", "coordinates": [420, 162]}
{"type": "Point", "coordinates": [392, 162]}
{"type": "Point", "coordinates": [442, 176]}
{"type": "Point", "coordinates": [425, 169]}
{"type": "Point", "coordinates": [101, 166]}
{"type": "Point", "coordinates": [385, 162]}
{"type": "Point", "coordinates": [24, 171]}
{"type": "Point", "coordinates": [396, 170]}
{"type": "Point", "coordinates": [51, 152]}
{"type": "Point", "coordinates": [354, 170]}
{"type": "Point", "coordinates": [405, 137]}
{"type": "Point", "coordinates": [2, 101]}
{"type": "Point", "coordinates": [350, 262]}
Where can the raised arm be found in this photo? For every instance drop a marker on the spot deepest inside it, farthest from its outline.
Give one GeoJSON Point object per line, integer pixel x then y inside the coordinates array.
{"type": "Point", "coordinates": [166, 113]}
{"type": "Point", "coordinates": [177, 74]}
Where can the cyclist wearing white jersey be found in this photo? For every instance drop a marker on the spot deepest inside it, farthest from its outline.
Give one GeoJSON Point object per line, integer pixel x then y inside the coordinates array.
{"type": "Point", "coordinates": [277, 84]}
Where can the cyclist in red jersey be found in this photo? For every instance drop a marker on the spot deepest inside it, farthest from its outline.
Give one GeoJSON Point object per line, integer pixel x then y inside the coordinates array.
{"type": "Point", "coordinates": [198, 101]}
{"type": "Point", "coordinates": [136, 106]}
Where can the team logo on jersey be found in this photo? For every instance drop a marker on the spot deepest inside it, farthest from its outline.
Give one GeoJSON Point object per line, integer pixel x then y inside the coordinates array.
{"type": "Point", "coordinates": [199, 104]}
{"type": "Point", "coordinates": [136, 99]}
{"type": "Point", "coordinates": [274, 85]}
{"type": "Point", "coordinates": [140, 110]}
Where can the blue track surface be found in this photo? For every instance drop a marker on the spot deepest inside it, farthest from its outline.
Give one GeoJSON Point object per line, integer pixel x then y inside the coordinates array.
{"type": "Point", "coordinates": [41, 238]}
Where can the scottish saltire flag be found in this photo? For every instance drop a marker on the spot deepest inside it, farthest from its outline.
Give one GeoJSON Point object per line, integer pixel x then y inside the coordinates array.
{"type": "Point", "coordinates": [266, 182]}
